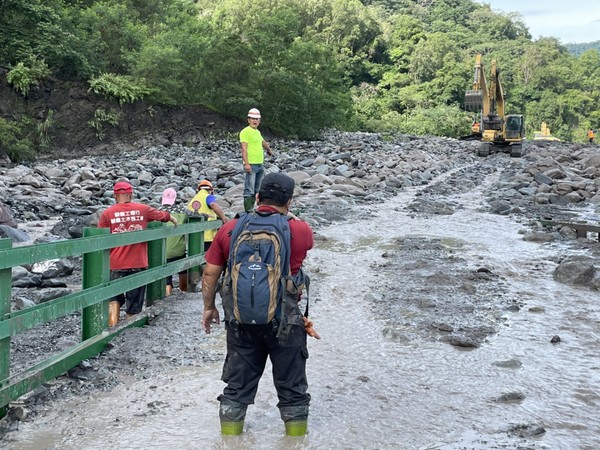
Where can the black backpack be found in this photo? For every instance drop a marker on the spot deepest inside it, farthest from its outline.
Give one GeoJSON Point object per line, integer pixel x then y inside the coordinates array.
{"type": "Point", "coordinates": [258, 288]}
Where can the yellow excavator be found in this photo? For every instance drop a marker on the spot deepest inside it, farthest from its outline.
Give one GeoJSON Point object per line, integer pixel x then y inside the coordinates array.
{"type": "Point", "coordinates": [544, 134]}
{"type": "Point", "coordinates": [499, 131]}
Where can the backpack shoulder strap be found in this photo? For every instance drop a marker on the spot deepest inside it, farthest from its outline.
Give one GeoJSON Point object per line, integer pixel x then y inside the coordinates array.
{"type": "Point", "coordinates": [241, 223]}
{"type": "Point", "coordinates": [234, 233]}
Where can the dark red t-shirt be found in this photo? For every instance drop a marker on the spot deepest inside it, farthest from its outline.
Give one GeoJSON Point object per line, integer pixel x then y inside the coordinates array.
{"type": "Point", "coordinates": [302, 241]}
{"type": "Point", "coordinates": [130, 216]}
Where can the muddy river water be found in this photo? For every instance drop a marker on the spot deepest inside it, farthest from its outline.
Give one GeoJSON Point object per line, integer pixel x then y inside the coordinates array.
{"type": "Point", "coordinates": [372, 392]}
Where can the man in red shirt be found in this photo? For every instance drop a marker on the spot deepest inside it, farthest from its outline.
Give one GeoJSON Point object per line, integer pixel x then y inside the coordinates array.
{"type": "Point", "coordinates": [122, 217]}
{"type": "Point", "coordinates": [248, 346]}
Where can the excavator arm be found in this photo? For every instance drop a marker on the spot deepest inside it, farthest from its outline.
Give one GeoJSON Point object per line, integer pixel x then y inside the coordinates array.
{"type": "Point", "coordinates": [477, 99]}
{"type": "Point", "coordinates": [493, 116]}
{"type": "Point", "coordinates": [487, 97]}
{"type": "Point", "coordinates": [496, 92]}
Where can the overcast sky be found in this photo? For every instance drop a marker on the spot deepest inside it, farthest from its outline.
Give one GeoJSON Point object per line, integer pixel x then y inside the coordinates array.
{"type": "Point", "coordinates": [567, 20]}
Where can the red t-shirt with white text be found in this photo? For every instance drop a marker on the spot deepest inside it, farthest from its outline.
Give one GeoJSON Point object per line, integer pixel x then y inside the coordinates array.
{"type": "Point", "coordinates": [125, 217]}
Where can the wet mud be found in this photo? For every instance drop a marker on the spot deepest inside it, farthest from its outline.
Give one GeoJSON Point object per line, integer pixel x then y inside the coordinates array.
{"type": "Point", "coordinates": [442, 328]}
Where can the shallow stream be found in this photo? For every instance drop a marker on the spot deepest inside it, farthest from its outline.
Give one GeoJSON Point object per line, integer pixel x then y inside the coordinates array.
{"type": "Point", "coordinates": [372, 392]}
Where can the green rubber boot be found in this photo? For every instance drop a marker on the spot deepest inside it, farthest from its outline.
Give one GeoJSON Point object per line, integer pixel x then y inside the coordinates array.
{"type": "Point", "coordinates": [248, 204]}
{"type": "Point", "coordinates": [296, 427]}
{"type": "Point", "coordinates": [232, 428]}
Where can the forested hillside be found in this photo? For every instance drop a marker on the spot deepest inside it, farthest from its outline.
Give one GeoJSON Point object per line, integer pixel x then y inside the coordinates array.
{"type": "Point", "coordinates": [579, 48]}
{"type": "Point", "coordinates": [399, 65]}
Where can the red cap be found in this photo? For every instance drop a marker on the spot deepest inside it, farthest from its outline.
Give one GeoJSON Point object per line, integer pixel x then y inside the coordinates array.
{"type": "Point", "coordinates": [123, 187]}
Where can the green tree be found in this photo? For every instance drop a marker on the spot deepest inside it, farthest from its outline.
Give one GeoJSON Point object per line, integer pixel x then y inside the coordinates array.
{"type": "Point", "coordinates": [402, 34]}
{"type": "Point", "coordinates": [431, 56]}
{"type": "Point", "coordinates": [259, 59]}
{"type": "Point", "coordinates": [30, 28]}
{"type": "Point", "coordinates": [442, 120]}
{"type": "Point", "coordinates": [159, 63]}
{"type": "Point", "coordinates": [305, 94]}
{"type": "Point", "coordinates": [13, 143]}
{"type": "Point", "coordinates": [349, 28]}
{"type": "Point", "coordinates": [587, 72]}
{"type": "Point", "coordinates": [492, 27]}
{"type": "Point", "coordinates": [42, 29]}
{"type": "Point", "coordinates": [114, 32]}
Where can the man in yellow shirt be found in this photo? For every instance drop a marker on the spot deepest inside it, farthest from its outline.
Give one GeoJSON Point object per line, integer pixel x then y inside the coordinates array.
{"type": "Point", "coordinates": [253, 147]}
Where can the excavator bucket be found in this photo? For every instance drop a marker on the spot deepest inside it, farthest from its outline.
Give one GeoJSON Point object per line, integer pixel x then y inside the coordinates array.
{"type": "Point", "coordinates": [474, 100]}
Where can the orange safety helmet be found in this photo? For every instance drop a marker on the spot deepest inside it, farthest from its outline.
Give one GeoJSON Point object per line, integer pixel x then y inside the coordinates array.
{"type": "Point", "coordinates": [205, 184]}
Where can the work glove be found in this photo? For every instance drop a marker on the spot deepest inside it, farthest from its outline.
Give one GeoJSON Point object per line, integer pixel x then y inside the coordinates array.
{"type": "Point", "coordinates": [308, 326]}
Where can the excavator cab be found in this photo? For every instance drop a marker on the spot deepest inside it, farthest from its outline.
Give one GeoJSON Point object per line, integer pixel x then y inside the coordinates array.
{"type": "Point", "coordinates": [515, 127]}
{"type": "Point", "coordinates": [515, 133]}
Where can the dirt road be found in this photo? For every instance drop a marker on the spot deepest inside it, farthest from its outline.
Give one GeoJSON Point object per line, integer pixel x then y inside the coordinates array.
{"type": "Point", "coordinates": [437, 321]}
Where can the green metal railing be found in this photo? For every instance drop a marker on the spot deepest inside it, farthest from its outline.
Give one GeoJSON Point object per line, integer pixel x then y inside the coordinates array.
{"type": "Point", "coordinates": [92, 301]}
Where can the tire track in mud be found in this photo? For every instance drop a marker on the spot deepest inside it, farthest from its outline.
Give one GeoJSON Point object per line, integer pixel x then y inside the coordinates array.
{"type": "Point", "coordinates": [440, 287]}
{"type": "Point", "coordinates": [441, 269]}
{"type": "Point", "coordinates": [390, 292]}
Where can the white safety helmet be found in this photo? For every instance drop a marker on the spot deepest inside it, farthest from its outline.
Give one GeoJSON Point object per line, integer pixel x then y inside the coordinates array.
{"type": "Point", "coordinates": [254, 113]}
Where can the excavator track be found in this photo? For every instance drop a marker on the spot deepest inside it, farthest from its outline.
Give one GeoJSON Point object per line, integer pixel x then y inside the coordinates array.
{"type": "Point", "coordinates": [516, 150]}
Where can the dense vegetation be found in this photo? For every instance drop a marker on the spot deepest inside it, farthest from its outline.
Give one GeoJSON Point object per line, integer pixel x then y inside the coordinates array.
{"type": "Point", "coordinates": [399, 65]}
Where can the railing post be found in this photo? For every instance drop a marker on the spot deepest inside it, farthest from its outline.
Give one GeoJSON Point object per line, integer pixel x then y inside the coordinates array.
{"type": "Point", "coordinates": [195, 247]}
{"type": "Point", "coordinates": [96, 270]}
{"type": "Point", "coordinates": [5, 297]}
{"type": "Point", "coordinates": [156, 257]}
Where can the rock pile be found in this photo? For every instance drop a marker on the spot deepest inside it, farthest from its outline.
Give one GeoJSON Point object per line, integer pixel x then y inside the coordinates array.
{"type": "Point", "coordinates": [334, 176]}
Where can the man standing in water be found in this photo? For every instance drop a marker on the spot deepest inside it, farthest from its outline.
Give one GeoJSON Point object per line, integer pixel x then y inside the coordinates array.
{"type": "Point", "coordinates": [249, 345]}
{"type": "Point", "coordinates": [253, 146]}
